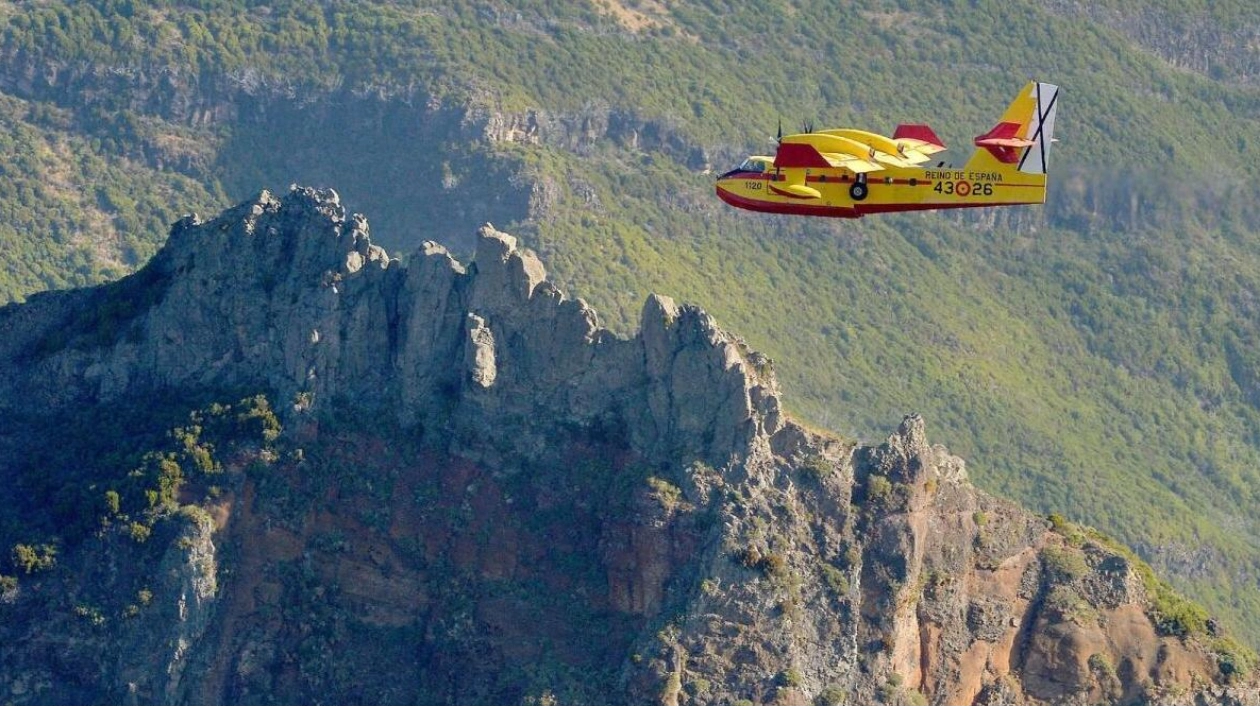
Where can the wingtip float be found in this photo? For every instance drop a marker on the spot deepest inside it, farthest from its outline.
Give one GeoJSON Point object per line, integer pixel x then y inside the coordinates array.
{"type": "Point", "coordinates": [848, 173]}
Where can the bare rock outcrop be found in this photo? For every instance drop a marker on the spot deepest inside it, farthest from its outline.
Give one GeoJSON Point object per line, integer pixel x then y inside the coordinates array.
{"type": "Point", "coordinates": [290, 295]}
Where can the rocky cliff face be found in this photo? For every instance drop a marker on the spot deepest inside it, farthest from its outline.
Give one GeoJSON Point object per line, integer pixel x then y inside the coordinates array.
{"type": "Point", "coordinates": [290, 296]}
{"type": "Point", "coordinates": [483, 496]}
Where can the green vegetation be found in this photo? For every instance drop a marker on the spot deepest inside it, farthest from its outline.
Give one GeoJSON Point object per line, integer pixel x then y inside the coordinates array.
{"type": "Point", "coordinates": [1100, 356]}
{"type": "Point", "coordinates": [772, 564]}
{"type": "Point", "coordinates": [76, 211]}
{"type": "Point", "coordinates": [818, 467]}
{"type": "Point", "coordinates": [878, 489]}
{"type": "Point", "coordinates": [1065, 564]}
{"type": "Point", "coordinates": [1236, 661]}
{"type": "Point", "coordinates": [836, 580]}
{"type": "Point", "coordinates": [668, 494]}
{"type": "Point", "coordinates": [131, 466]}
{"type": "Point", "coordinates": [139, 531]}
{"type": "Point", "coordinates": [31, 559]}
{"type": "Point", "coordinates": [832, 695]}
{"type": "Point", "coordinates": [1101, 663]}
{"type": "Point", "coordinates": [1071, 605]}
{"type": "Point", "coordinates": [1172, 613]}
{"type": "Point", "coordinates": [884, 496]}
{"type": "Point", "coordinates": [90, 614]}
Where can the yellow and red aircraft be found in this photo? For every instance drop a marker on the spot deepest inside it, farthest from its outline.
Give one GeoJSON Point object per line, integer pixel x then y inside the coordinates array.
{"type": "Point", "coordinates": [849, 173]}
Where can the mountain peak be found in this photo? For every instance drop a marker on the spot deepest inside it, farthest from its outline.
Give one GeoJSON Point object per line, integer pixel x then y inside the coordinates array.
{"type": "Point", "coordinates": [289, 293]}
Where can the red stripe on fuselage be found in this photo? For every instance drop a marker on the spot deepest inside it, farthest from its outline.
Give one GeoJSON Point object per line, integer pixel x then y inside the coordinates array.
{"type": "Point", "coordinates": [892, 208]}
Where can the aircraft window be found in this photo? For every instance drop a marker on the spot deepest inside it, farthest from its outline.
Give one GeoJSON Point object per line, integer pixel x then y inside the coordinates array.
{"type": "Point", "coordinates": [752, 166]}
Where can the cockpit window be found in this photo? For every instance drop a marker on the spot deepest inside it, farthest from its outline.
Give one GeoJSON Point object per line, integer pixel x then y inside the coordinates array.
{"type": "Point", "coordinates": [752, 165]}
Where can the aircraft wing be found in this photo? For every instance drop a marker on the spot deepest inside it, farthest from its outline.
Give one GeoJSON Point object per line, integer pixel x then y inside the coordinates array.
{"type": "Point", "coordinates": [918, 147]}
{"type": "Point", "coordinates": [818, 150]}
{"type": "Point", "coordinates": [794, 154]}
{"type": "Point", "coordinates": [855, 165]}
{"type": "Point", "coordinates": [897, 160]}
{"type": "Point", "coordinates": [881, 148]}
{"type": "Point", "coordinates": [918, 138]}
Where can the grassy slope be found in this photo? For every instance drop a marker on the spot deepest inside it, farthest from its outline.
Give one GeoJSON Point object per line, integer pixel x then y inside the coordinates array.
{"type": "Point", "coordinates": [1094, 363]}
{"type": "Point", "coordinates": [74, 212]}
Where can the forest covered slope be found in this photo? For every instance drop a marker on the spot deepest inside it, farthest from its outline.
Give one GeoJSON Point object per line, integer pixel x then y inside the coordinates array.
{"type": "Point", "coordinates": [1098, 357]}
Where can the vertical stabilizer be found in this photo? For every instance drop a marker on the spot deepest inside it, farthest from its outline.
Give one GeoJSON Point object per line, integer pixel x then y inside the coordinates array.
{"type": "Point", "coordinates": [1036, 159]}
{"type": "Point", "coordinates": [1022, 137]}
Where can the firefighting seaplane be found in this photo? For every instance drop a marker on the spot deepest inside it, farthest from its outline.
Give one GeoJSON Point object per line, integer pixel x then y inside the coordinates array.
{"type": "Point", "coordinates": [848, 173]}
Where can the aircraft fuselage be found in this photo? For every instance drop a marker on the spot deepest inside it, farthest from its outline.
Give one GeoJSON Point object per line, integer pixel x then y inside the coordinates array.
{"type": "Point", "coordinates": [843, 194]}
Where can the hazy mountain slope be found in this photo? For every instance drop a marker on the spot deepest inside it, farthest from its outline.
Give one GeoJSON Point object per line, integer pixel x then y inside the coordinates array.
{"type": "Point", "coordinates": [1096, 357]}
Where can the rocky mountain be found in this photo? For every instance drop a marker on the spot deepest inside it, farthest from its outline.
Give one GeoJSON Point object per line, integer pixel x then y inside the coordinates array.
{"type": "Point", "coordinates": [1097, 357]}
{"type": "Point", "coordinates": [277, 465]}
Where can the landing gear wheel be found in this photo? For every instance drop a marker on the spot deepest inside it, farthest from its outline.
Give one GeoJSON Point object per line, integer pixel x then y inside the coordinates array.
{"type": "Point", "coordinates": [858, 191]}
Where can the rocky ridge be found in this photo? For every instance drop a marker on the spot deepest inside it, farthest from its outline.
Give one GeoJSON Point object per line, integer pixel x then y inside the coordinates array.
{"type": "Point", "coordinates": [524, 462]}
{"type": "Point", "coordinates": [290, 296]}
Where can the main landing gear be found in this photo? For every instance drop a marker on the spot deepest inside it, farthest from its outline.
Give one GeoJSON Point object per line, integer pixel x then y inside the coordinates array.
{"type": "Point", "coordinates": [859, 190]}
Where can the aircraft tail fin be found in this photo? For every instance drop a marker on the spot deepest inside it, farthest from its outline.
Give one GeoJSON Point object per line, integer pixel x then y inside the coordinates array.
{"type": "Point", "coordinates": [1022, 137]}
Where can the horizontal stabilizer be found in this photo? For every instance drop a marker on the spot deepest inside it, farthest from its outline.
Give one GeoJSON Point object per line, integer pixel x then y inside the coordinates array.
{"type": "Point", "coordinates": [1004, 134]}
{"type": "Point", "coordinates": [1003, 141]}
